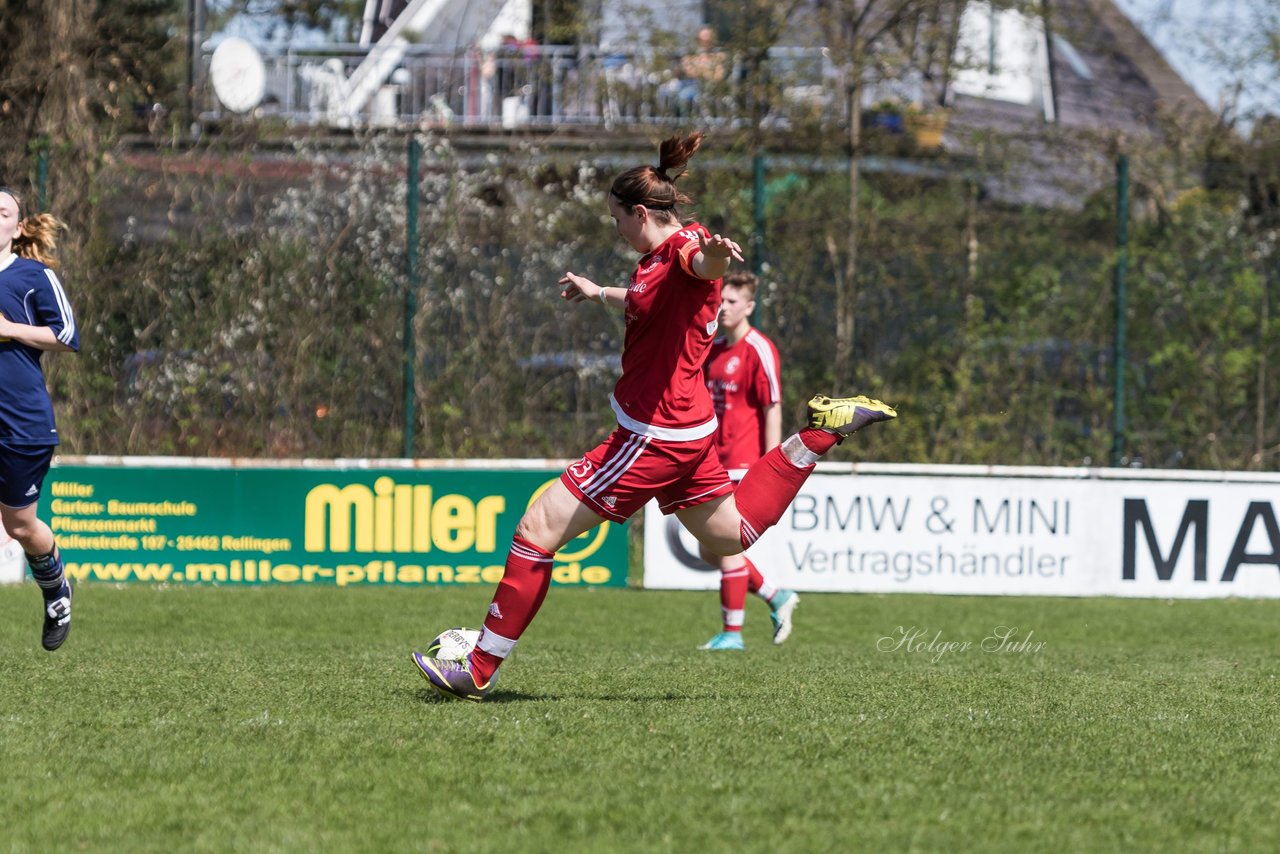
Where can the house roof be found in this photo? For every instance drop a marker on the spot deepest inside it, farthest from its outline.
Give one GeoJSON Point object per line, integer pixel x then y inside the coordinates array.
{"type": "Point", "coordinates": [1109, 87]}
{"type": "Point", "coordinates": [1131, 82]}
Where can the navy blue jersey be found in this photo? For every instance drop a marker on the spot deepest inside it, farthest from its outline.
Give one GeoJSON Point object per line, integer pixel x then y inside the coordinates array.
{"type": "Point", "coordinates": [30, 293]}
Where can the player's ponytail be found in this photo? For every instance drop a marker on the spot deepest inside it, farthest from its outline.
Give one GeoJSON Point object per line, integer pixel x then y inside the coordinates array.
{"type": "Point", "coordinates": [655, 186]}
{"type": "Point", "coordinates": [675, 153]}
{"type": "Point", "coordinates": [39, 237]}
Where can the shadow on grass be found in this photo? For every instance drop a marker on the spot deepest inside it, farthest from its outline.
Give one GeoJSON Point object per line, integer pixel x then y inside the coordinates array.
{"type": "Point", "coordinates": [638, 697]}
{"type": "Point", "coordinates": [429, 695]}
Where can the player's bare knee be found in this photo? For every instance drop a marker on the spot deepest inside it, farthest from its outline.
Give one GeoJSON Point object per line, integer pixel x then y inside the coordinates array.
{"type": "Point", "coordinates": [22, 530]}
{"type": "Point", "coordinates": [715, 548]}
{"type": "Point", "coordinates": [532, 528]}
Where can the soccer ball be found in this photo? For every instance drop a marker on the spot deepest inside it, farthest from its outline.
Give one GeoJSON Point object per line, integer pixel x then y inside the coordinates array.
{"type": "Point", "coordinates": [453, 644]}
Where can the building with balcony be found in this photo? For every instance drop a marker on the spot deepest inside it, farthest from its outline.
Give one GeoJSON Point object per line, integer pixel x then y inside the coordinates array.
{"type": "Point", "coordinates": [1066, 86]}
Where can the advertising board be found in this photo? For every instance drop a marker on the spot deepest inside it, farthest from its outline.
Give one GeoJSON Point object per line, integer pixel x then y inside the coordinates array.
{"type": "Point", "coordinates": [1007, 531]}
{"type": "Point", "coordinates": [192, 521]}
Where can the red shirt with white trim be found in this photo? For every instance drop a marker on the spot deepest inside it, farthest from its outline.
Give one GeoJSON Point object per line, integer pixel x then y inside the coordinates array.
{"type": "Point", "coordinates": [744, 379]}
{"type": "Point", "coordinates": [672, 317]}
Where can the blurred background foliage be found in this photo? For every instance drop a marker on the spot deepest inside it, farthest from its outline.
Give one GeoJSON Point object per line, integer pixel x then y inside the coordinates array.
{"type": "Point", "coordinates": [243, 294]}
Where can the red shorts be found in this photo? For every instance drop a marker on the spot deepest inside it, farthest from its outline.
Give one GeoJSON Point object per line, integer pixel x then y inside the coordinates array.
{"type": "Point", "coordinates": [620, 475]}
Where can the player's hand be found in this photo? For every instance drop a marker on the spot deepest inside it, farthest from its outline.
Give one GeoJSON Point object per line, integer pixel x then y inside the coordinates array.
{"type": "Point", "coordinates": [578, 289]}
{"type": "Point", "coordinates": [717, 247]}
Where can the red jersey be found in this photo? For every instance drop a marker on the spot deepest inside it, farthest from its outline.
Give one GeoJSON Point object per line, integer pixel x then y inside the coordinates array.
{"type": "Point", "coordinates": [743, 379]}
{"type": "Point", "coordinates": [672, 317]}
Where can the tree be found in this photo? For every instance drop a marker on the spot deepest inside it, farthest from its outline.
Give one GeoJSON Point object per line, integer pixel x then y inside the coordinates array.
{"type": "Point", "coordinates": [73, 75]}
{"type": "Point", "coordinates": [749, 29]}
{"type": "Point", "coordinates": [877, 38]}
{"type": "Point", "coordinates": [1239, 41]}
{"type": "Point", "coordinates": [46, 80]}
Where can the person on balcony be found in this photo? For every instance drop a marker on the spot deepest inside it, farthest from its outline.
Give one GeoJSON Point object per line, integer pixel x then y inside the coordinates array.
{"type": "Point", "coordinates": [700, 71]}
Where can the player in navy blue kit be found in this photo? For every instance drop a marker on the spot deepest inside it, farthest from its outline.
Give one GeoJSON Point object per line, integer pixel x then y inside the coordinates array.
{"type": "Point", "coordinates": [35, 316]}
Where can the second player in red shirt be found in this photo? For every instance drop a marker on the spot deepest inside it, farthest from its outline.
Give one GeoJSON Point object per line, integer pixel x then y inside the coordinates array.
{"type": "Point", "coordinates": [743, 374]}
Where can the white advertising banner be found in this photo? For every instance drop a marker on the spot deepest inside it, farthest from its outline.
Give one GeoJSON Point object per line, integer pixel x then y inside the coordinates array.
{"type": "Point", "coordinates": [1006, 531]}
{"type": "Point", "coordinates": [13, 563]}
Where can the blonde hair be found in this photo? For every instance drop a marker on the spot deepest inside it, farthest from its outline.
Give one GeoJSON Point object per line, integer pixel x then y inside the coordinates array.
{"type": "Point", "coordinates": [39, 237]}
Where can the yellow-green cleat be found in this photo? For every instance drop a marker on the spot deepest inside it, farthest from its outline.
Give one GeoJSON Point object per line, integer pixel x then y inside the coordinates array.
{"type": "Point", "coordinates": [845, 415]}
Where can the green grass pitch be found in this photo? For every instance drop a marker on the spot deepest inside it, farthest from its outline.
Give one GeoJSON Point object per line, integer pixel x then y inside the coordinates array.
{"type": "Point", "coordinates": [292, 719]}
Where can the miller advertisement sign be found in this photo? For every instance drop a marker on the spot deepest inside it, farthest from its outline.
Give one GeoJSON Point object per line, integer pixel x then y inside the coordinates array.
{"type": "Point", "coordinates": [177, 521]}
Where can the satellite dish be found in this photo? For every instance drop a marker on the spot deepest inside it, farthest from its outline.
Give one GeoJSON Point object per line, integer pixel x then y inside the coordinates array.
{"type": "Point", "coordinates": [239, 78]}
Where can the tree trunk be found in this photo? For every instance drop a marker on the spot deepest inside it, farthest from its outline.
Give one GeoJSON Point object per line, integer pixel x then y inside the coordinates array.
{"type": "Point", "coordinates": [46, 85]}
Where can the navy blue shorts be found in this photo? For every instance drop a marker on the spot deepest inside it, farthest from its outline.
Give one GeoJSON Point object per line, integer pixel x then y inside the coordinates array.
{"type": "Point", "coordinates": [22, 471]}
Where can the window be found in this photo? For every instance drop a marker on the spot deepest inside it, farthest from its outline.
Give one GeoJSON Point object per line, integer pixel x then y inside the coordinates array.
{"type": "Point", "coordinates": [1001, 55]}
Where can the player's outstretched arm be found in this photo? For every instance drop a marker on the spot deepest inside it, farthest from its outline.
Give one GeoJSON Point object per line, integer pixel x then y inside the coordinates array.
{"type": "Point", "coordinates": [713, 258]}
{"type": "Point", "coordinates": [579, 289]}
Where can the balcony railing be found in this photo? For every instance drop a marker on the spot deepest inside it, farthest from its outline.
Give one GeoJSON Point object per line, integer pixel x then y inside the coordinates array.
{"type": "Point", "coordinates": [555, 87]}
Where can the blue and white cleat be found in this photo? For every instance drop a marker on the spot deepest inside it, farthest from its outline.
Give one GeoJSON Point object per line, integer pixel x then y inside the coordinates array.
{"type": "Point", "coordinates": [725, 640]}
{"type": "Point", "coordinates": [782, 603]}
{"type": "Point", "coordinates": [451, 678]}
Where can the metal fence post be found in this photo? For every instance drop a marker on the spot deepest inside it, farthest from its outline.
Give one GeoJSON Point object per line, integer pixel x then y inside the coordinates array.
{"type": "Point", "coordinates": [410, 294]}
{"type": "Point", "coordinates": [757, 231]}
{"type": "Point", "coordinates": [1120, 355]}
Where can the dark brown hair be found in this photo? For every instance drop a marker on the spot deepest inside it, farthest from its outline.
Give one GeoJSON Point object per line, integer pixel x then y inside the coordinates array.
{"type": "Point", "coordinates": [655, 186]}
{"type": "Point", "coordinates": [39, 235]}
{"type": "Point", "coordinates": [744, 280]}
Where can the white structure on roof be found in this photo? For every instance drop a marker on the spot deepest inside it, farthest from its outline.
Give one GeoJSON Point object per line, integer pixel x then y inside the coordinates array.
{"type": "Point", "coordinates": [459, 24]}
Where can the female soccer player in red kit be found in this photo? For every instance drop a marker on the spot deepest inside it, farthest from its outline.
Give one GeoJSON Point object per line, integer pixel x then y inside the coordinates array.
{"type": "Point", "coordinates": [743, 374]}
{"type": "Point", "coordinates": [664, 445]}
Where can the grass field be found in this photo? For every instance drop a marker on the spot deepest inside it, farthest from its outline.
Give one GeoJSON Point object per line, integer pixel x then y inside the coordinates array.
{"type": "Point", "coordinates": [292, 719]}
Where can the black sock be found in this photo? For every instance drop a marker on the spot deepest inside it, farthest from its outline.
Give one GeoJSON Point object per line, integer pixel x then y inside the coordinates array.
{"type": "Point", "coordinates": [47, 571]}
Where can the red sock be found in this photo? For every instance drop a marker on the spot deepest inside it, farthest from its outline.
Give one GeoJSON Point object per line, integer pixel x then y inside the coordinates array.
{"type": "Point", "coordinates": [818, 440]}
{"type": "Point", "coordinates": [754, 579]}
{"type": "Point", "coordinates": [515, 603]}
{"type": "Point", "coordinates": [733, 597]}
{"type": "Point", "coordinates": [771, 484]}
